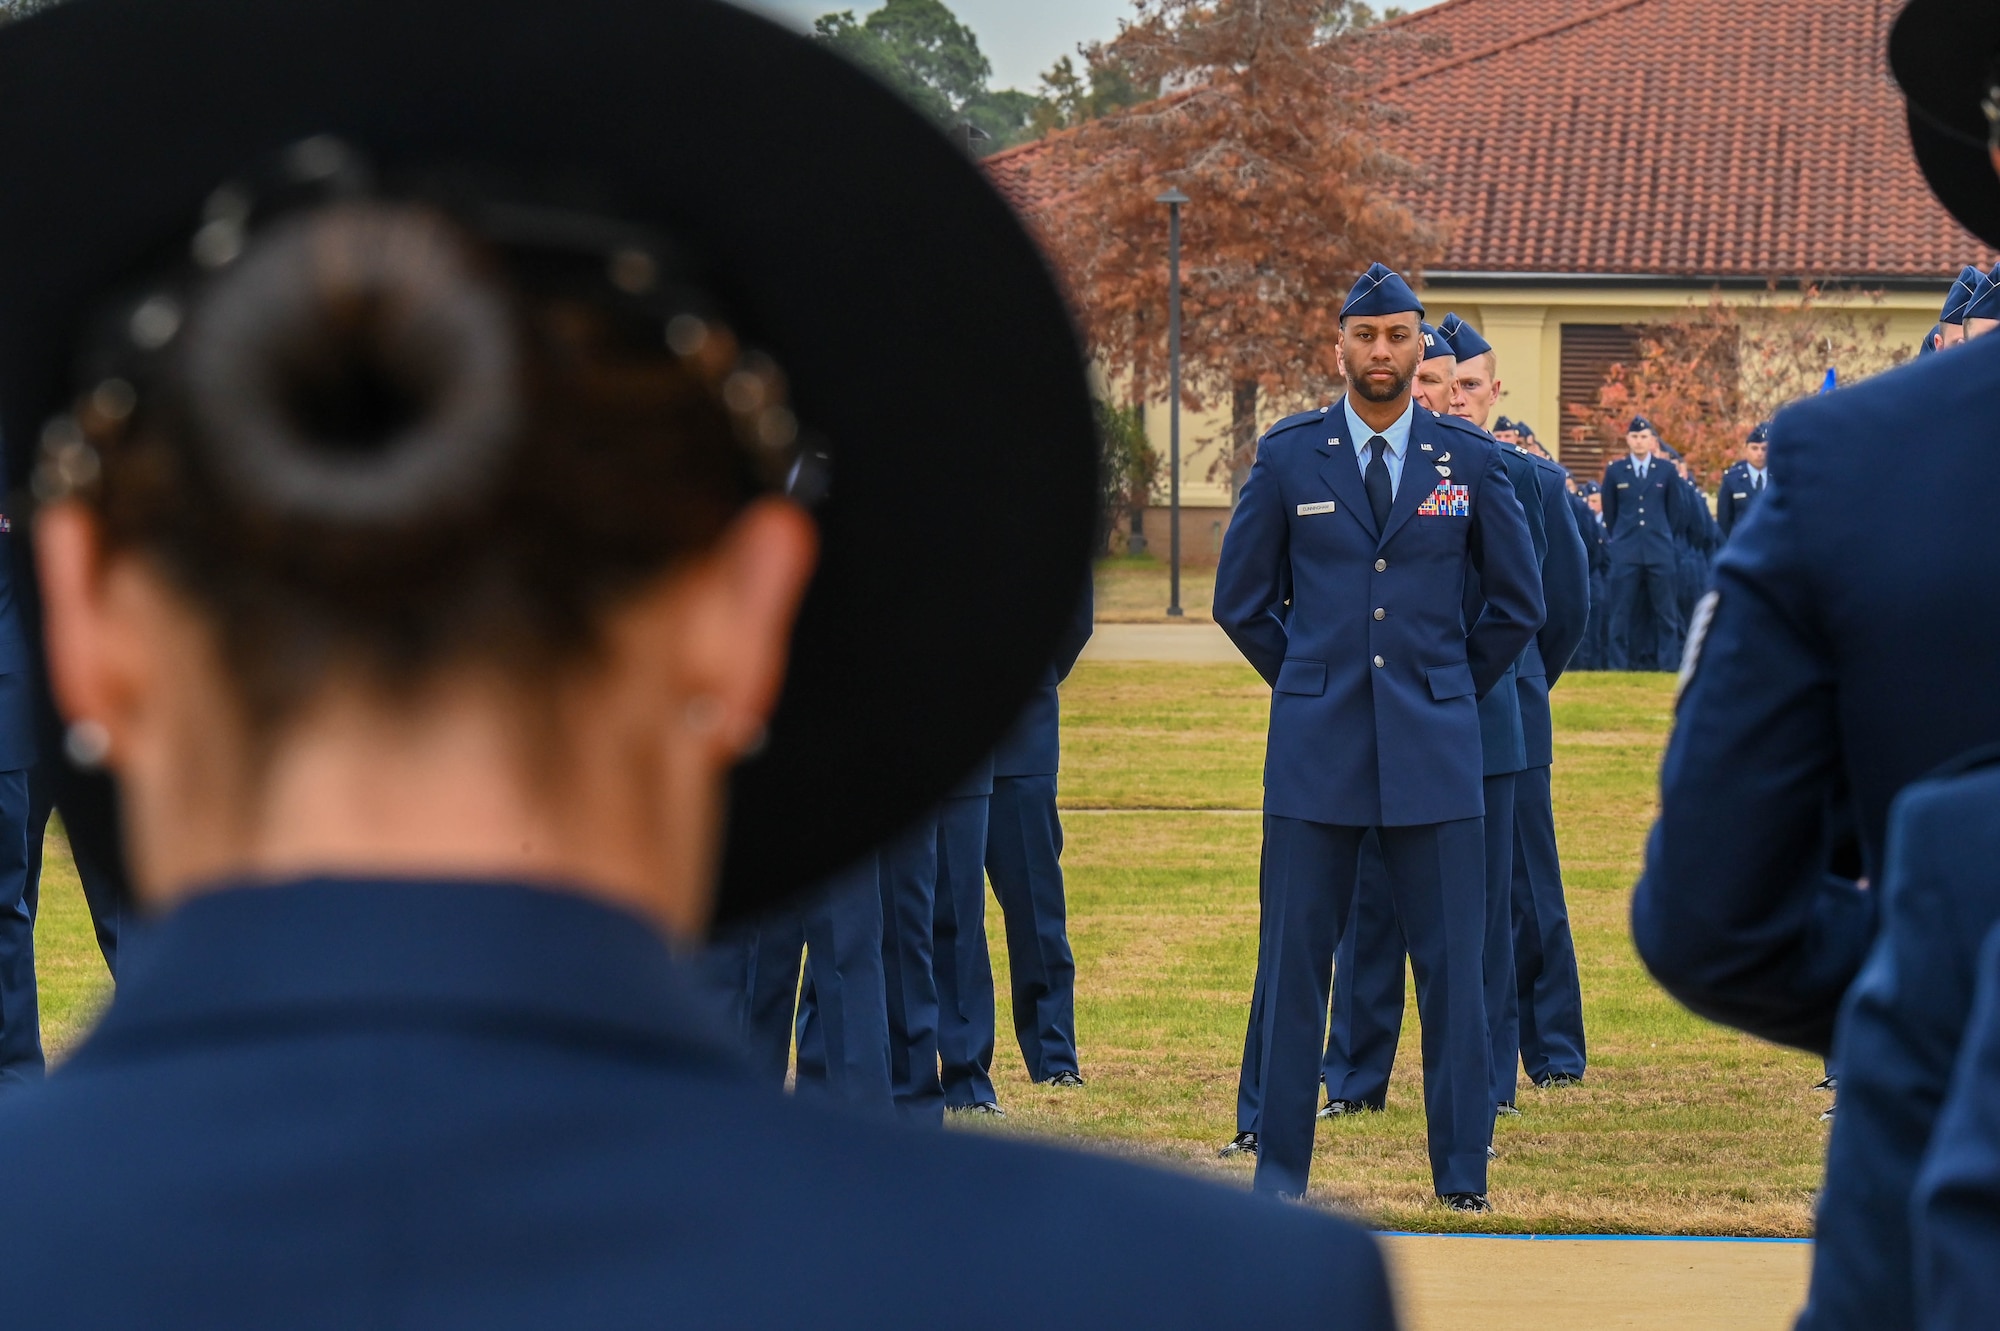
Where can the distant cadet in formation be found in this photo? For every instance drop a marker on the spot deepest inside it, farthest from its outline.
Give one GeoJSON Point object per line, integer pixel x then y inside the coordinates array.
{"type": "Point", "coordinates": [1643, 500]}
{"type": "Point", "coordinates": [1342, 580]}
{"type": "Point", "coordinates": [1831, 679]}
{"type": "Point", "coordinates": [1585, 498]}
{"type": "Point", "coordinates": [1982, 309]}
{"type": "Point", "coordinates": [1743, 484]}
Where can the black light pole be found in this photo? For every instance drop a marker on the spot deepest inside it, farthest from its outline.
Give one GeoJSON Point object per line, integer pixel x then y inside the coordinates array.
{"type": "Point", "coordinates": [973, 136]}
{"type": "Point", "coordinates": [1173, 198]}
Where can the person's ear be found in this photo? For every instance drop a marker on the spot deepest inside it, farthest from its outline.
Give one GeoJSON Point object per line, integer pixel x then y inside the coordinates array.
{"type": "Point", "coordinates": [736, 641]}
{"type": "Point", "coordinates": [69, 563]}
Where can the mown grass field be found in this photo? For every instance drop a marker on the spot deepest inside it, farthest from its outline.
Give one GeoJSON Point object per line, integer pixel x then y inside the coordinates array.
{"type": "Point", "coordinates": [1682, 1127]}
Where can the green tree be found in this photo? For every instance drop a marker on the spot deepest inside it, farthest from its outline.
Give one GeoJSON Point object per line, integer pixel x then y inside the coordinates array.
{"type": "Point", "coordinates": [919, 48]}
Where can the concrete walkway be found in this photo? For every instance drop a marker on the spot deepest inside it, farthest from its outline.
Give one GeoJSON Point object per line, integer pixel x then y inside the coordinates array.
{"type": "Point", "coordinates": [1450, 1282]}
{"type": "Point", "coordinates": [1197, 643]}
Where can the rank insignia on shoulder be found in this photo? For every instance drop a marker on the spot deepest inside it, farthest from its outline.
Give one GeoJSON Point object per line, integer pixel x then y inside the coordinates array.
{"type": "Point", "coordinates": [1309, 510]}
{"type": "Point", "coordinates": [1447, 501]}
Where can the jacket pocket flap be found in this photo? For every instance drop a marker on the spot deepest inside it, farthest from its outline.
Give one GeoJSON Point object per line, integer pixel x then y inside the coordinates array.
{"type": "Point", "coordinates": [1307, 677]}
{"type": "Point", "coordinates": [1450, 681]}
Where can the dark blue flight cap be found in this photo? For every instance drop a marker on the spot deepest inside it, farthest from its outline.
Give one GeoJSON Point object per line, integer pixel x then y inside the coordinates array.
{"type": "Point", "coordinates": [1589, 488]}
{"type": "Point", "coordinates": [1760, 435]}
{"type": "Point", "coordinates": [1435, 343]}
{"type": "Point", "coordinates": [1504, 424]}
{"type": "Point", "coordinates": [1465, 339]}
{"type": "Point", "coordinates": [1380, 291]}
{"type": "Point", "coordinates": [1641, 423]}
{"type": "Point", "coordinates": [1524, 429]}
{"type": "Point", "coordinates": [1962, 291]}
{"type": "Point", "coordinates": [1985, 303]}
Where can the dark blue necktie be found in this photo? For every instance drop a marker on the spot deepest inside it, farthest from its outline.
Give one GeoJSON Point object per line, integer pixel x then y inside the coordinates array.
{"type": "Point", "coordinates": [1381, 494]}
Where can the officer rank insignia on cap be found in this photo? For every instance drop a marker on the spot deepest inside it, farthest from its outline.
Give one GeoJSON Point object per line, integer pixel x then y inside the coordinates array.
{"type": "Point", "coordinates": [1447, 501]}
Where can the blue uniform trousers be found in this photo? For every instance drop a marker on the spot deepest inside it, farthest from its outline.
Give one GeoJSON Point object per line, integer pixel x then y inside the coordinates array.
{"type": "Point", "coordinates": [1368, 977]}
{"type": "Point", "coordinates": [1643, 597]}
{"type": "Point", "coordinates": [752, 974]}
{"type": "Point", "coordinates": [1549, 995]}
{"type": "Point", "coordinates": [1024, 842]}
{"type": "Point", "coordinates": [843, 1022]}
{"type": "Point", "coordinates": [909, 909]}
{"type": "Point", "coordinates": [1370, 894]}
{"type": "Point", "coordinates": [1436, 875]}
{"type": "Point", "coordinates": [20, 1019]}
{"type": "Point", "coordinates": [960, 961]}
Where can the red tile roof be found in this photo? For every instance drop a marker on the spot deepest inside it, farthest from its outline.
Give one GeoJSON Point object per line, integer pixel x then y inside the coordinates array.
{"type": "Point", "coordinates": [1697, 139]}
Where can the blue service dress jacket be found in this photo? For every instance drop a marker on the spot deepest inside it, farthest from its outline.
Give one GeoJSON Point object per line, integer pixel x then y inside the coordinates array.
{"type": "Point", "coordinates": [17, 682]}
{"type": "Point", "coordinates": [1735, 498]}
{"type": "Point", "coordinates": [1898, 1039]}
{"type": "Point", "coordinates": [1956, 1208]}
{"type": "Point", "coordinates": [1641, 515]}
{"type": "Point", "coordinates": [1375, 676]}
{"type": "Point", "coordinates": [1851, 624]}
{"type": "Point", "coordinates": [1566, 594]}
{"type": "Point", "coordinates": [430, 1105]}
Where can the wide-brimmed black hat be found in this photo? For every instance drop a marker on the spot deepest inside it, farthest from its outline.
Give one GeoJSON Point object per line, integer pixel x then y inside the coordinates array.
{"type": "Point", "coordinates": [1944, 54]}
{"type": "Point", "coordinates": [923, 338]}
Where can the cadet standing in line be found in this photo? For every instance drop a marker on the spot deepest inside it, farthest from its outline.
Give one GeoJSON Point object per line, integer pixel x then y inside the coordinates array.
{"type": "Point", "coordinates": [1743, 484]}
{"type": "Point", "coordinates": [961, 961]}
{"type": "Point", "coordinates": [1024, 841]}
{"type": "Point", "coordinates": [1831, 676]}
{"type": "Point", "coordinates": [20, 1022]}
{"type": "Point", "coordinates": [1982, 309]}
{"type": "Point", "coordinates": [438, 1062]}
{"type": "Point", "coordinates": [1369, 513]}
{"type": "Point", "coordinates": [1642, 504]}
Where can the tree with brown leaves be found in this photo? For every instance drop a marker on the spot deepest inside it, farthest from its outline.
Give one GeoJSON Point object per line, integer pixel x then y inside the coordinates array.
{"type": "Point", "coordinates": [1706, 376]}
{"type": "Point", "coordinates": [1265, 123]}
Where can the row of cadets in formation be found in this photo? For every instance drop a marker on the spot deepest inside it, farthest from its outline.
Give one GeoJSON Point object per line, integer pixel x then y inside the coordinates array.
{"type": "Point", "coordinates": [883, 986]}
{"type": "Point", "coordinates": [1348, 591]}
{"type": "Point", "coordinates": [1839, 682]}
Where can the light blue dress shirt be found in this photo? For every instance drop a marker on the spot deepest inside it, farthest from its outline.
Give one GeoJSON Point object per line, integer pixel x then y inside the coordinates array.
{"type": "Point", "coordinates": [1398, 436]}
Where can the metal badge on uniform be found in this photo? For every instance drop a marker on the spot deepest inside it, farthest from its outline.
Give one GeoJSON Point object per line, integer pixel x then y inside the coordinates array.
{"type": "Point", "coordinates": [1738, 494]}
{"type": "Point", "coordinates": [1704, 618]}
{"type": "Point", "coordinates": [1444, 471]}
{"type": "Point", "coordinates": [1308, 510]}
{"type": "Point", "coordinates": [1425, 447]}
{"type": "Point", "coordinates": [1333, 443]}
{"type": "Point", "coordinates": [1447, 501]}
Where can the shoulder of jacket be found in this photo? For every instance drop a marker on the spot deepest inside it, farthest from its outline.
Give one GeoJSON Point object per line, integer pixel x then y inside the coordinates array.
{"type": "Point", "coordinates": [1318, 417]}
{"type": "Point", "coordinates": [1456, 423]}
{"type": "Point", "coordinates": [1553, 468]}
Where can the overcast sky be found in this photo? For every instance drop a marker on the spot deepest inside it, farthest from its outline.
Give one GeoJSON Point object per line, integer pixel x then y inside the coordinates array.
{"type": "Point", "coordinates": [1021, 37]}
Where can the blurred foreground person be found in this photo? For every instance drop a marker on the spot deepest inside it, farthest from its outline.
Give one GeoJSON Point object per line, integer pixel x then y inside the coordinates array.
{"type": "Point", "coordinates": [414, 557]}
{"type": "Point", "coordinates": [1823, 677]}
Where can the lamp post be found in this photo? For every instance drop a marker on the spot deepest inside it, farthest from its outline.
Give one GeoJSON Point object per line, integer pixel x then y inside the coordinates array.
{"type": "Point", "coordinates": [971, 136]}
{"type": "Point", "coordinates": [1173, 198]}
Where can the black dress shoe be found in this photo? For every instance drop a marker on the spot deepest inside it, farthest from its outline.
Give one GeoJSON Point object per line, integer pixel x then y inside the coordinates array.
{"type": "Point", "coordinates": [1467, 1203]}
{"type": "Point", "coordinates": [1244, 1143]}
{"type": "Point", "coordinates": [984, 1109]}
{"type": "Point", "coordinates": [1492, 1154]}
{"type": "Point", "coordinates": [1827, 1084]}
{"type": "Point", "coordinates": [1343, 1108]}
{"type": "Point", "coordinates": [1506, 1109]}
{"type": "Point", "coordinates": [1557, 1080]}
{"type": "Point", "coordinates": [1066, 1080]}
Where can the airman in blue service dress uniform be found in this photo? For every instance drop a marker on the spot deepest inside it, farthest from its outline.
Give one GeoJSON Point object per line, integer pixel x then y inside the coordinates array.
{"type": "Point", "coordinates": [1024, 859]}
{"type": "Point", "coordinates": [1514, 732]}
{"type": "Point", "coordinates": [1642, 507]}
{"type": "Point", "coordinates": [20, 1023]}
{"type": "Point", "coordinates": [1374, 715]}
{"type": "Point", "coordinates": [1824, 678]}
{"type": "Point", "coordinates": [1743, 484]}
{"type": "Point", "coordinates": [486, 1095]}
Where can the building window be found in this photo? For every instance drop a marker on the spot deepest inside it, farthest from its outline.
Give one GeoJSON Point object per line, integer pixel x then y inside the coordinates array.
{"type": "Point", "coordinates": [1588, 353]}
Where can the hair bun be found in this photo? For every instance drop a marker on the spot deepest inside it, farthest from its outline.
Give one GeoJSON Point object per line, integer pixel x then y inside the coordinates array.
{"type": "Point", "coordinates": [357, 365]}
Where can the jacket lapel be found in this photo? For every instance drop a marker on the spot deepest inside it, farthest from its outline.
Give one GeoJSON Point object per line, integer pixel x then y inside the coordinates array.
{"type": "Point", "coordinates": [1420, 475]}
{"type": "Point", "coordinates": [1341, 472]}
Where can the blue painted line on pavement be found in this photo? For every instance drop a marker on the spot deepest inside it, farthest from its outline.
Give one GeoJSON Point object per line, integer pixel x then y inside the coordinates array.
{"type": "Point", "coordinates": [1582, 1238]}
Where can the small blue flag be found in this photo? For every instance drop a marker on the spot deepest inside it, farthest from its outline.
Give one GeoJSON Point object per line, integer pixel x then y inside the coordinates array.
{"type": "Point", "coordinates": [1832, 382]}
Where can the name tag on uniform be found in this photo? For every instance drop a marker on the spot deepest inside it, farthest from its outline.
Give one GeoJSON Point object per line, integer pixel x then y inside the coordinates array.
{"type": "Point", "coordinates": [1739, 495]}
{"type": "Point", "coordinates": [1447, 501]}
{"type": "Point", "coordinates": [1624, 485]}
{"type": "Point", "coordinates": [1307, 510]}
